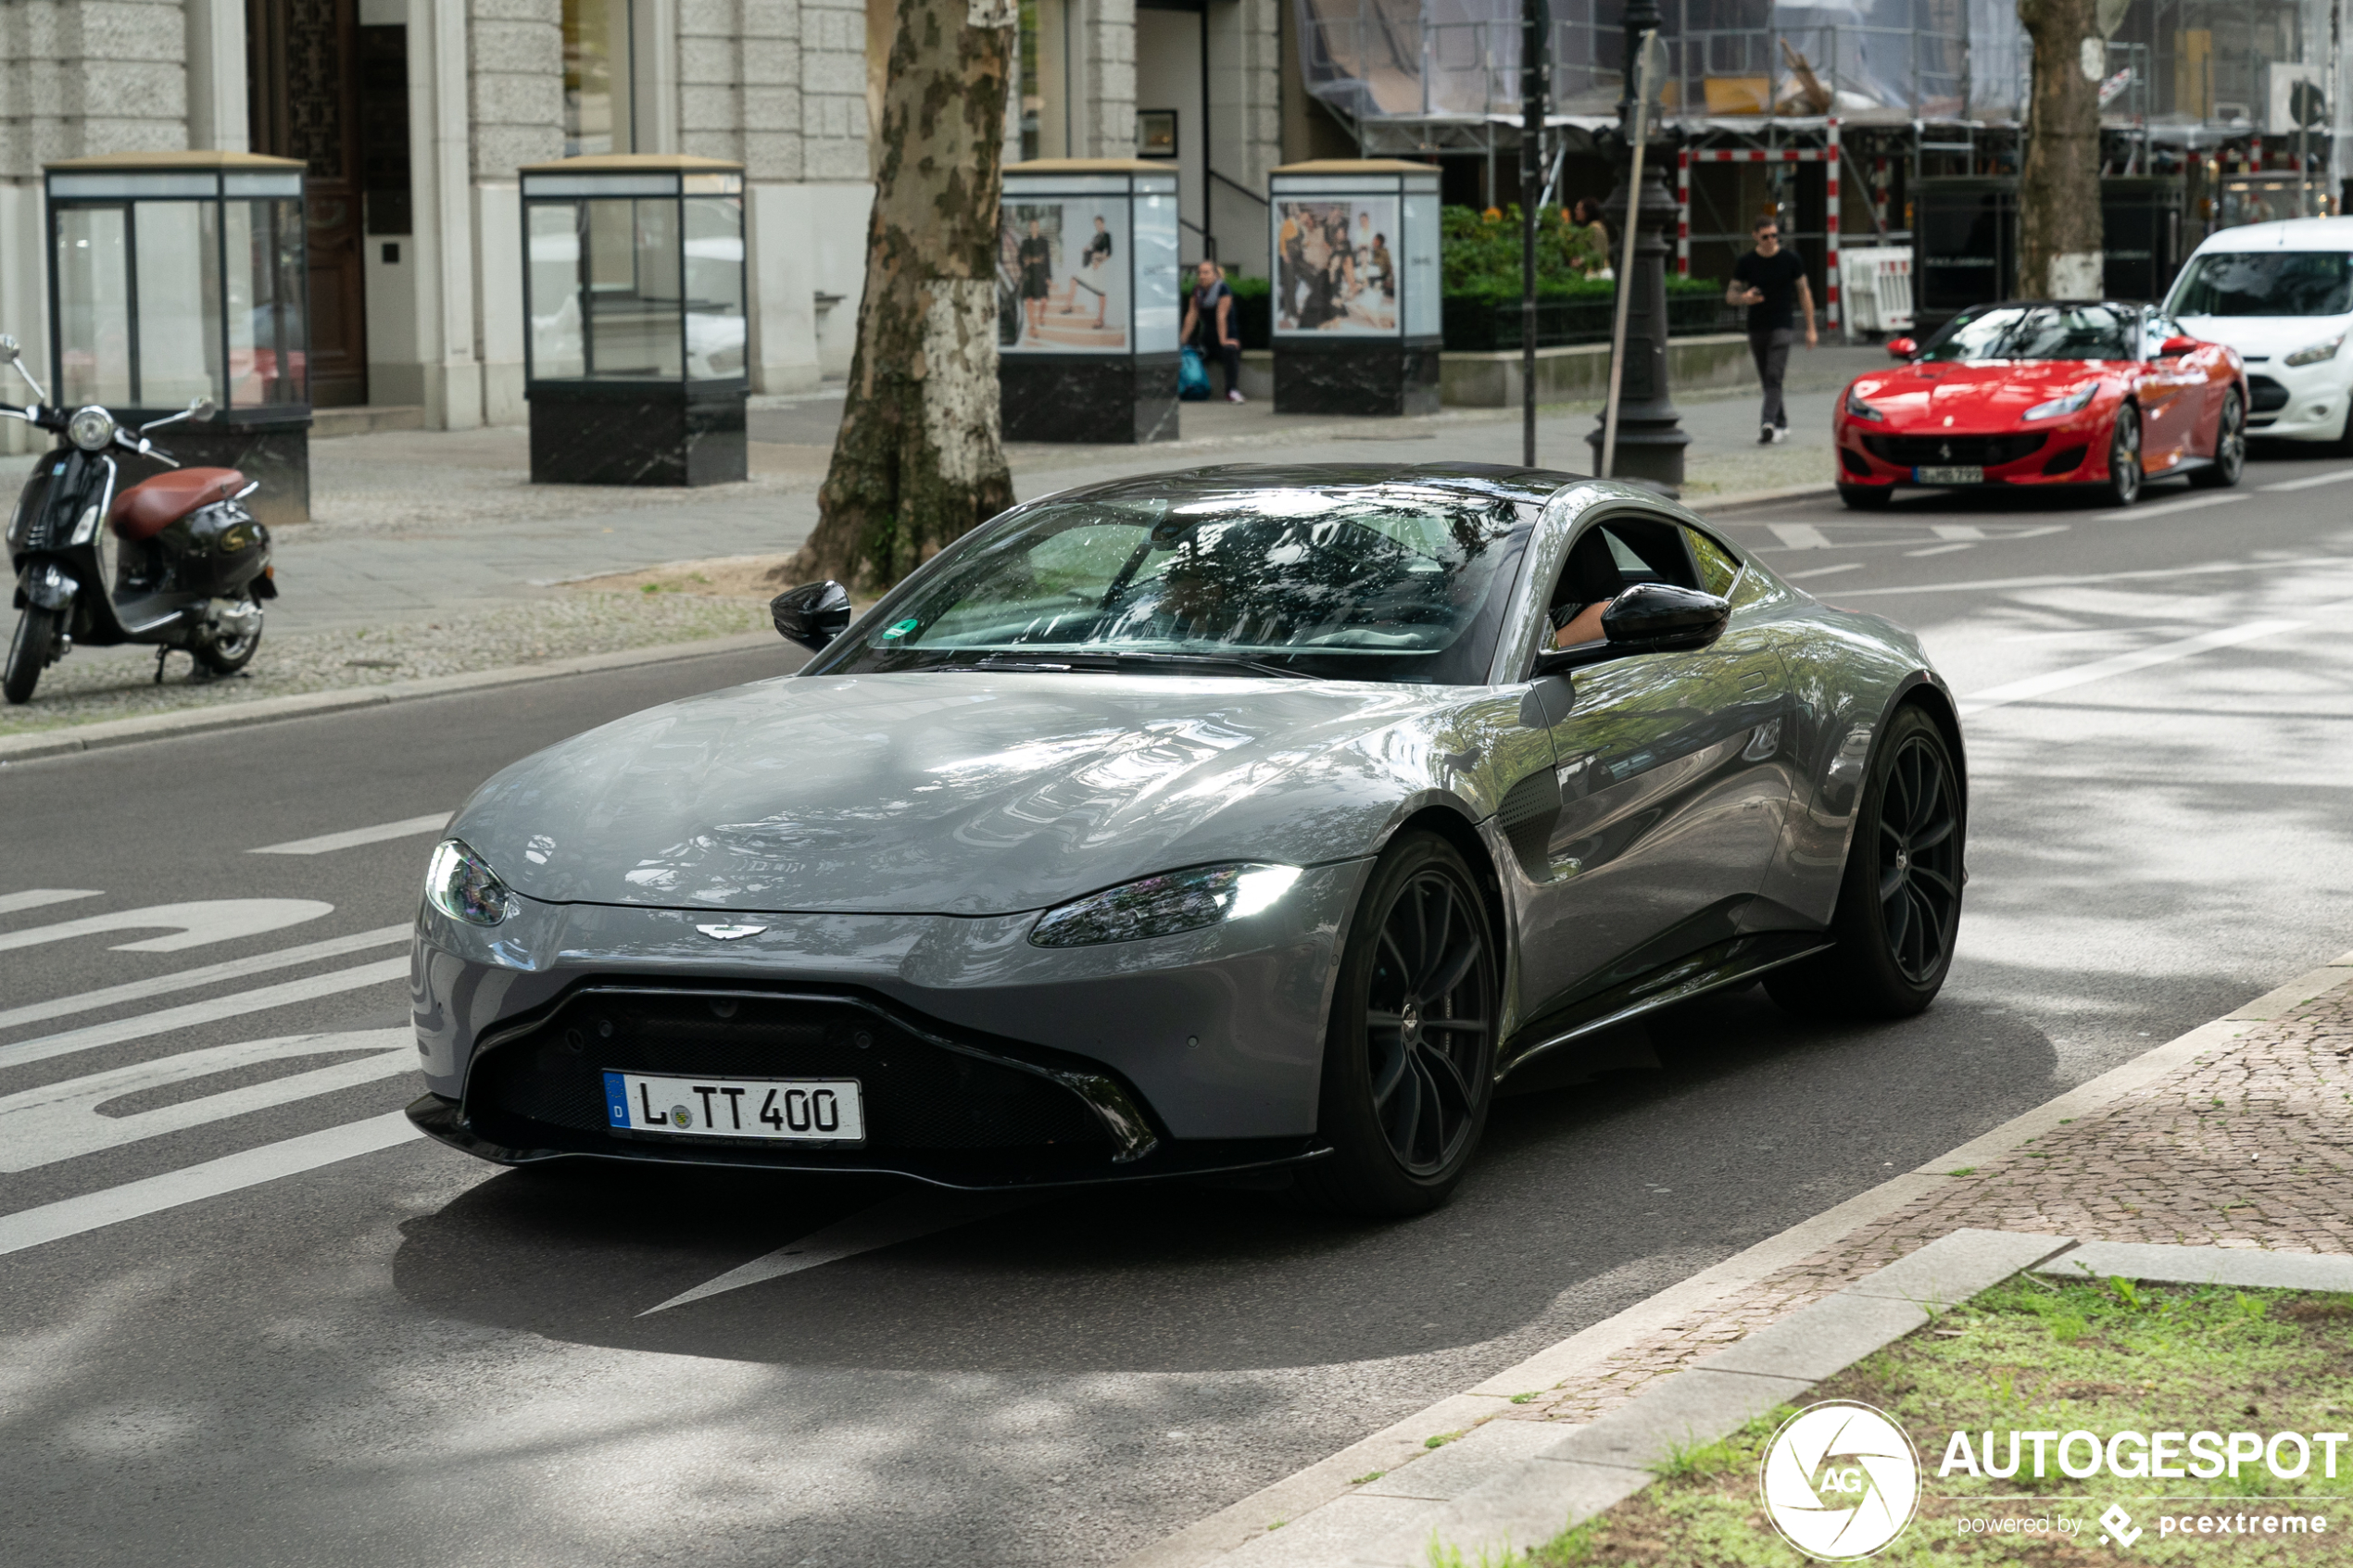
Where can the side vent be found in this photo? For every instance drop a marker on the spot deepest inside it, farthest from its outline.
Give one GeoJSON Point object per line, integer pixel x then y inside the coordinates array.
{"type": "Point", "coordinates": [1526, 817]}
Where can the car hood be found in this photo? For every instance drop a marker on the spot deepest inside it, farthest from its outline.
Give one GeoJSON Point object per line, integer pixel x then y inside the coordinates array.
{"type": "Point", "coordinates": [1981, 395]}
{"type": "Point", "coordinates": [2268, 336]}
{"type": "Point", "coordinates": [941, 793]}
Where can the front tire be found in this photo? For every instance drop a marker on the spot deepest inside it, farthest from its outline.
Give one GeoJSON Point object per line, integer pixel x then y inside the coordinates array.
{"type": "Point", "coordinates": [2229, 447]}
{"type": "Point", "coordinates": [1409, 1056]}
{"type": "Point", "coordinates": [1865, 497]}
{"type": "Point", "coordinates": [30, 652]}
{"type": "Point", "coordinates": [2123, 485]}
{"type": "Point", "coordinates": [1899, 900]}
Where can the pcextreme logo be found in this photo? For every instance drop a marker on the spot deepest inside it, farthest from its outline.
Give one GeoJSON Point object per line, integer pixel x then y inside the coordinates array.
{"type": "Point", "coordinates": [1840, 1481]}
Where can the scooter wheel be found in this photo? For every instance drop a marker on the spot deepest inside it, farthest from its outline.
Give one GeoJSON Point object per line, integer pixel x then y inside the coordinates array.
{"type": "Point", "coordinates": [30, 652]}
{"type": "Point", "coordinates": [226, 656]}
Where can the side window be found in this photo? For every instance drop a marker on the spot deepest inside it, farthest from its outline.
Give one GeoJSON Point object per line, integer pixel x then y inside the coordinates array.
{"type": "Point", "coordinates": [1613, 555]}
{"type": "Point", "coordinates": [1718, 570]}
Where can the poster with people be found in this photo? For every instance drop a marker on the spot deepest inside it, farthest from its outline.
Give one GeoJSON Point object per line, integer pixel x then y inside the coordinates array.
{"type": "Point", "coordinates": [1062, 266]}
{"type": "Point", "coordinates": [1336, 265]}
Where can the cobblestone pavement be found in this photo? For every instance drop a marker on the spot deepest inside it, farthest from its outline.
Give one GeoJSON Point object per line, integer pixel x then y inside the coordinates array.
{"type": "Point", "coordinates": [2250, 1146]}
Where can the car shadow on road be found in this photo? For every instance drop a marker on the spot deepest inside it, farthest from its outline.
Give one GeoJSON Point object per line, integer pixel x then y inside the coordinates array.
{"type": "Point", "coordinates": [1583, 1200]}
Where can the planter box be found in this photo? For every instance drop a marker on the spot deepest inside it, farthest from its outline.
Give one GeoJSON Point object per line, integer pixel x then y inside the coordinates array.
{"type": "Point", "coordinates": [1480, 324]}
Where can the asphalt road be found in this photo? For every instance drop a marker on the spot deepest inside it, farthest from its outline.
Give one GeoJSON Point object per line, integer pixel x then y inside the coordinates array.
{"type": "Point", "coordinates": [407, 1357]}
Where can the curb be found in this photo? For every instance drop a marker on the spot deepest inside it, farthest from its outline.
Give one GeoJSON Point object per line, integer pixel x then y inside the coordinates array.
{"type": "Point", "coordinates": [266, 710]}
{"type": "Point", "coordinates": [1233, 1532]}
{"type": "Point", "coordinates": [1758, 497]}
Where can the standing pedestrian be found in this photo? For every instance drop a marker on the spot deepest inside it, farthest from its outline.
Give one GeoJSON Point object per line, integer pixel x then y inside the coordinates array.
{"type": "Point", "coordinates": [1209, 325]}
{"type": "Point", "coordinates": [1771, 282]}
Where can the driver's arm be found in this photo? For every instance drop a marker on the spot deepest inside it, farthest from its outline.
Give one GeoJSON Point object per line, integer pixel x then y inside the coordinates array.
{"type": "Point", "coordinates": [1585, 626]}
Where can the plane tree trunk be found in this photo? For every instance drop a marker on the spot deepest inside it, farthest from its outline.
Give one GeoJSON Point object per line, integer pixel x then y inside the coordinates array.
{"type": "Point", "coordinates": [2059, 236]}
{"type": "Point", "coordinates": [918, 462]}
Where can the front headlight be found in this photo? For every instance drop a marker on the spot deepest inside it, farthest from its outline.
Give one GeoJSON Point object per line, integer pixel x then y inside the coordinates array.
{"type": "Point", "coordinates": [2057, 407]}
{"type": "Point", "coordinates": [2315, 352]}
{"type": "Point", "coordinates": [91, 429]}
{"type": "Point", "coordinates": [460, 884]}
{"type": "Point", "coordinates": [1858, 409]}
{"type": "Point", "coordinates": [1165, 905]}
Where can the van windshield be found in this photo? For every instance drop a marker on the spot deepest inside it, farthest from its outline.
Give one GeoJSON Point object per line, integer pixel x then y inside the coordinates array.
{"type": "Point", "coordinates": [2269, 282]}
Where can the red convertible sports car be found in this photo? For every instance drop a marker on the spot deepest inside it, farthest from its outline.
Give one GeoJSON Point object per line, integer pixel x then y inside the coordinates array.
{"type": "Point", "coordinates": [2072, 392]}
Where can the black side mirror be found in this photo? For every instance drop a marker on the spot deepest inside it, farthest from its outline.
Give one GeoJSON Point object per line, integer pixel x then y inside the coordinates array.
{"type": "Point", "coordinates": [812, 614]}
{"type": "Point", "coordinates": [1646, 617]}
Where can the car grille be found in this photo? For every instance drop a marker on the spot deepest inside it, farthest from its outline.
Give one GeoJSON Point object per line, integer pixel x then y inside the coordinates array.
{"type": "Point", "coordinates": [2269, 395]}
{"type": "Point", "coordinates": [1970, 451]}
{"type": "Point", "coordinates": [918, 1094]}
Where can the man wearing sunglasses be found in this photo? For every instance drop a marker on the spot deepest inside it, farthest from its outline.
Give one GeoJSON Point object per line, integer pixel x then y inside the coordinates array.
{"type": "Point", "coordinates": [1772, 283]}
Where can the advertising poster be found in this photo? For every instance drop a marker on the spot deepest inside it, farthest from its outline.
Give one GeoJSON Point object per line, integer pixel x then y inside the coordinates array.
{"type": "Point", "coordinates": [1336, 265]}
{"type": "Point", "coordinates": [1062, 266]}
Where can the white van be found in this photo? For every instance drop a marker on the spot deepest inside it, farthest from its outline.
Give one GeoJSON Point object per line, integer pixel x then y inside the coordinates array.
{"type": "Point", "coordinates": [2282, 294]}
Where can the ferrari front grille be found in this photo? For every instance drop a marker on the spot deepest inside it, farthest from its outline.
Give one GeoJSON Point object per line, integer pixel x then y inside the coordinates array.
{"type": "Point", "coordinates": [1953, 451]}
{"type": "Point", "coordinates": [2269, 395]}
{"type": "Point", "coordinates": [918, 1094]}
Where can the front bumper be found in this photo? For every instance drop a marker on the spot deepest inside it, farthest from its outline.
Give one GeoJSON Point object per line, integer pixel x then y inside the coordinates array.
{"type": "Point", "coordinates": [2300, 403]}
{"type": "Point", "coordinates": [2073, 452]}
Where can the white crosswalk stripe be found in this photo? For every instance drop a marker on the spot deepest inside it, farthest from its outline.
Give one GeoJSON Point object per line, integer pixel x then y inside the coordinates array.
{"type": "Point", "coordinates": [208, 974]}
{"type": "Point", "coordinates": [90, 1036]}
{"type": "Point", "coordinates": [351, 838]}
{"type": "Point", "coordinates": [41, 898]}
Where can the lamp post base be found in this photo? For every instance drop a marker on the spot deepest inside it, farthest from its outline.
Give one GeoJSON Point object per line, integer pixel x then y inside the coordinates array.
{"type": "Point", "coordinates": [1650, 451]}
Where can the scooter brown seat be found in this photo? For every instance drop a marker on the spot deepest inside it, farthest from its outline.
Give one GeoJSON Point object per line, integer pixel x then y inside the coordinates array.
{"type": "Point", "coordinates": [153, 505]}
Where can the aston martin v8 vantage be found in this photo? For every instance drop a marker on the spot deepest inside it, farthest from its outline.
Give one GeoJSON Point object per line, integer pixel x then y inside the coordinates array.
{"type": "Point", "coordinates": [1235, 819]}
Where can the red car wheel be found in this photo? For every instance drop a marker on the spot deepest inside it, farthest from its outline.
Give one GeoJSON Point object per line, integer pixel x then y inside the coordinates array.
{"type": "Point", "coordinates": [2124, 457]}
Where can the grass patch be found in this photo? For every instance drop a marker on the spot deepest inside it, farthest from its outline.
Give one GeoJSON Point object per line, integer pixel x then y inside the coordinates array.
{"type": "Point", "coordinates": [2096, 1356]}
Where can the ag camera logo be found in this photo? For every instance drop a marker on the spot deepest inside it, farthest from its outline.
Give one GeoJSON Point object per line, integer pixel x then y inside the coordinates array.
{"type": "Point", "coordinates": [1840, 1481]}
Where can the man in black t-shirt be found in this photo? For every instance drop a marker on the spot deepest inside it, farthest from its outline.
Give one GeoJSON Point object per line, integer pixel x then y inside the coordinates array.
{"type": "Point", "coordinates": [1772, 283]}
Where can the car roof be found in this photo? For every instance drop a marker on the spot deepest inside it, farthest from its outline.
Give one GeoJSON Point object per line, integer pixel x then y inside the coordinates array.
{"type": "Point", "coordinates": [1506, 481]}
{"type": "Point", "coordinates": [2285, 233]}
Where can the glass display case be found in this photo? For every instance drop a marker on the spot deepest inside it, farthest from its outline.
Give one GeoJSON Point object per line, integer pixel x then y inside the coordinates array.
{"type": "Point", "coordinates": [1088, 300]}
{"type": "Point", "coordinates": [635, 352]}
{"type": "Point", "coordinates": [177, 275]}
{"type": "Point", "coordinates": [1355, 320]}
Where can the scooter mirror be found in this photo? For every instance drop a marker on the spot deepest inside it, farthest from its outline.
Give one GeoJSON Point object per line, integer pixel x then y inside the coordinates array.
{"type": "Point", "coordinates": [201, 407]}
{"type": "Point", "coordinates": [8, 349]}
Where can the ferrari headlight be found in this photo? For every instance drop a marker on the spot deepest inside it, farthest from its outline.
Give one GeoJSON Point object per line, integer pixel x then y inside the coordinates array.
{"type": "Point", "coordinates": [91, 429]}
{"type": "Point", "coordinates": [1165, 905]}
{"type": "Point", "coordinates": [460, 884]}
{"type": "Point", "coordinates": [2060, 407]}
{"type": "Point", "coordinates": [2315, 352]}
{"type": "Point", "coordinates": [1858, 409]}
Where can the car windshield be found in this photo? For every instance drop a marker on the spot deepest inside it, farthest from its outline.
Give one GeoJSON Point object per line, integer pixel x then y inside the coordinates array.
{"type": "Point", "coordinates": [2036, 332]}
{"type": "Point", "coordinates": [1396, 582]}
{"type": "Point", "coordinates": [2271, 282]}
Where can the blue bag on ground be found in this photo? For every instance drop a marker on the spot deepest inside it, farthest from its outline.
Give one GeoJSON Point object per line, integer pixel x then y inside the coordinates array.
{"type": "Point", "coordinates": [1192, 377]}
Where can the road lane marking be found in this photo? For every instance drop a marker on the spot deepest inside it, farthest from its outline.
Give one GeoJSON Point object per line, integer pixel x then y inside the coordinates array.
{"type": "Point", "coordinates": [39, 898]}
{"type": "Point", "coordinates": [1958, 530]}
{"type": "Point", "coordinates": [62, 1120]}
{"type": "Point", "coordinates": [1938, 550]}
{"type": "Point", "coordinates": [287, 992]}
{"type": "Point", "coordinates": [2142, 574]}
{"type": "Point", "coordinates": [2167, 508]}
{"type": "Point", "coordinates": [2122, 664]}
{"type": "Point", "coordinates": [189, 979]}
{"type": "Point", "coordinates": [199, 924]}
{"type": "Point", "coordinates": [2036, 532]}
{"type": "Point", "coordinates": [904, 1218]}
{"type": "Point", "coordinates": [1800, 536]}
{"type": "Point", "coordinates": [2317, 478]}
{"type": "Point", "coordinates": [351, 838]}
{"type": "Point", "coordinates": [74, 1216]}
{"type": "Point", "coordinates": [1821, 572]}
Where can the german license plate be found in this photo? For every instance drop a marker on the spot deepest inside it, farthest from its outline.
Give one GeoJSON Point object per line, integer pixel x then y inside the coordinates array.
{"type": "Point", "coordinates": [772, 1110]}
{"type": "Point", "coordinates": [1948, 476]}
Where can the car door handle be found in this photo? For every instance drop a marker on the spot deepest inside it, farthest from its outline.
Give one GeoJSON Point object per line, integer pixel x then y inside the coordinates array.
{"type": "Point", "coordinates": [1754, 680]}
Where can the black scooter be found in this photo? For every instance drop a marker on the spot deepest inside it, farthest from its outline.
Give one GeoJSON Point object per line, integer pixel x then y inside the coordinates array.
{"type": "Point", "coordinates": [174, 561]}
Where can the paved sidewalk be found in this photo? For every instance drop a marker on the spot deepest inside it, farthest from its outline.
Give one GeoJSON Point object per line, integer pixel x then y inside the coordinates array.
{"type": "Point", "coordinates": [2249, 1145]}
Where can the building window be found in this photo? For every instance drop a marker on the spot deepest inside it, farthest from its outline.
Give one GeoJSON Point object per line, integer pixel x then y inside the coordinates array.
{"type": "Point", "coordinates": [598, 101]}
{"type": "Point", "coordinates": [1028, 84]}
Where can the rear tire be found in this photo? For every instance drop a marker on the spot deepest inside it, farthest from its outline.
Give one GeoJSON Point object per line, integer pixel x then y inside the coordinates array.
{"type": "Point", "coordinates": [30, 652]}
{"type": "Point", "coordinates": [1409, 1055]}
{"type": "Point", "coordinates": [227, 655]}
{"type": "Point", "coordinates": [2123, 486]}
{"type": "Point", "coordinates": [1899, 900]}
{"type": "Point", "coordinates": [1865, 497]}
{"type": "Point", "coordinates": [2229, 447]}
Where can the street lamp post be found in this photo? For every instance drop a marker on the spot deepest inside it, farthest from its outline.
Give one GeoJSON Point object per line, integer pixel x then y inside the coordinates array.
{"type": "Point", "coordinates": [1650, 436]}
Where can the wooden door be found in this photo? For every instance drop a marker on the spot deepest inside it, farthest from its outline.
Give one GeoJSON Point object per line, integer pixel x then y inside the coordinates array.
{"type": "Point", "coordinates": [302, 67]}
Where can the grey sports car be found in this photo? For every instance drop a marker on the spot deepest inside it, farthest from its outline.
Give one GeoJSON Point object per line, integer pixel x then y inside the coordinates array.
{"type": "Point", "coordinates": [1241, 817]}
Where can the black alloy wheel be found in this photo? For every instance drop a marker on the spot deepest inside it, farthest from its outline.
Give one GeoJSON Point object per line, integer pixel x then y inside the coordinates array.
{"type": "Point", "coordinates": [31, 651]}
{"type": "Point", "coordinates": [2123, 485]}
{"type": "Point", "coordinates": [1899, 900]}
{"type": "Point", "coordinates": [1409, 1056]}
{"type": "Point", "coordinates": [1865, 497]}
{"type": "Point", "coordinates": [2230, 446]}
